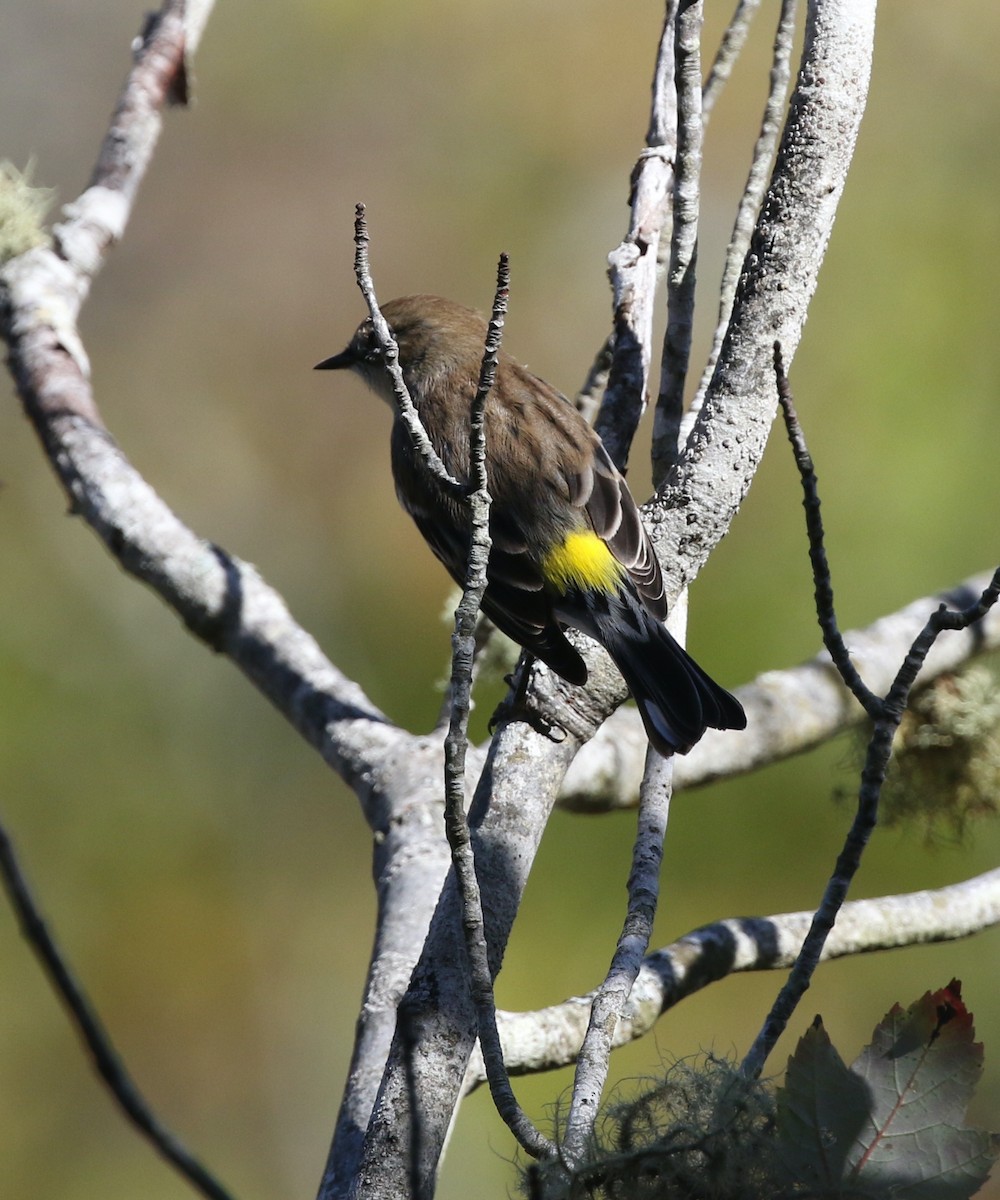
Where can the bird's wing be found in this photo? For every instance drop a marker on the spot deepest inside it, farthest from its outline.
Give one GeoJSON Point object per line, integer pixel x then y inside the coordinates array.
{"type": "Point", "coordinates": [514, 600]}
{"type": "Point", "coordinates": [601, 491]}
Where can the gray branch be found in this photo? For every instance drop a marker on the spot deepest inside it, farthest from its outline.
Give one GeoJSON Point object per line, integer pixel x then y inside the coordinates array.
{"type": "Point", "coordinates": [633, 265]}
{"type": "Point", "coordinates": [788, 712]}
{"type": "Point", "coordinates": [550, 1037]}
{"type": "Point", "coordinates": [752, 193]}
{"type": "Point", "coordinates": [777, 283]}
{"type": "Point", "coordinates": [609, 1001]}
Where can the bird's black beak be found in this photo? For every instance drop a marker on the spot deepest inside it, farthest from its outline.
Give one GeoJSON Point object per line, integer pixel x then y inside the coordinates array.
{"type": "Point", "coordinates": [345, 359]}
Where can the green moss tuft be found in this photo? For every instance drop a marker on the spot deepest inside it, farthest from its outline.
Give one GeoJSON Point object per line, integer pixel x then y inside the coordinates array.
{"type": "Point", "coordinates": [22, 212]}
{"type": "Point", "coordinates": [946, 757]}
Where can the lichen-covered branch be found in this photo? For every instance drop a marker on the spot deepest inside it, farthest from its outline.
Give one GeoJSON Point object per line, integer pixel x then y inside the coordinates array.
{"type": "Point", "coordinates": [788, 711]}
{"type": "Point", "coordinates": [550, 1037]}
{"type": "Point", "coordinates": [779, 276]}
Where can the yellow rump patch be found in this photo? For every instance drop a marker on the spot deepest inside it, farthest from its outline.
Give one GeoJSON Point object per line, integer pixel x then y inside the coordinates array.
{"type": "Point", "coordinates": [582, 560]}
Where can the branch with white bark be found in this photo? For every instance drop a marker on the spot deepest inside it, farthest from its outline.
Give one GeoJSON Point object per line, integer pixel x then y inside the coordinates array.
{"type": "Point", "coordinates": [549, 1038]}
{"type": "Point", "coordinates": [788, 711]}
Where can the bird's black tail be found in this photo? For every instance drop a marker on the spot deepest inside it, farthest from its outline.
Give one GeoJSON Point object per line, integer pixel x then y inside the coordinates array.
{"type": "Point", "coordinates": [676, 699]}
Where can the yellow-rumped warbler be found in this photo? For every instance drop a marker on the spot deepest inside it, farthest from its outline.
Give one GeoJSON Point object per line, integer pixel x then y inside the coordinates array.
{"type": "Point", "coordinates": [569, 547]}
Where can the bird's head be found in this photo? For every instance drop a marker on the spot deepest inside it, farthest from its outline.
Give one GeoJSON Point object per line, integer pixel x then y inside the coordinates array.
{"type": "Point", "coordinates": [437, 339]}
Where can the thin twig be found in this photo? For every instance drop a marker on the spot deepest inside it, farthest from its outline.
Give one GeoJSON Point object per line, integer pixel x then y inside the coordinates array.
{"type": "Point", "coordinates": [632, 266]}
{"type": "Point", "coordinates": [683, 244]}
{"type": "Point", "coordinates": [733, 41]}
{"type": "Point", "coordinates": [588, 398]}
{"type": "Point", "coordinates": [612, 996]}
{"type": "Point", "coordinates": [886, 715]}
{"type": "Point", "coordinates": [549, 1038]}
{"type": "Point", "coordinates": [96, 220]}
{"type": "Point", "coordinates": [753, 193]}
{"type": "Point", "coordinates": [822, 580]}
{"type": "Point", "coordinates": [88, 1024]}
{"type": "Point", "coordinates": [390, 354]}
{"type": "Point", "coordinates": [456, 744]}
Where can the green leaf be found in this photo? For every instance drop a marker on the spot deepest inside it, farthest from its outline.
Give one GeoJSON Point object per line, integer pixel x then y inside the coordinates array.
{"type": "Point", "coordinates": [822, 1110]}
{"type": "Point", "coordinates": [892, 1126]}
{"type": "Point", "coordinates": [920, 1071]}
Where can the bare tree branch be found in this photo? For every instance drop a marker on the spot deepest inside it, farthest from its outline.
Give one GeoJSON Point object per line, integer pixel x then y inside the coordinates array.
{"type": "Point", "coordinates": [733, 41]}
{"type": "Point", "coordinates": [676, 353]}
{"type": "Point", "coordinates": [777, 284]}
{"type": "Point", "coordinates": [90, 1028]}
{"type": "Point", "coordinates": [550, 1037]}
{"type": "Point", "coordinates": [788, 711]}
{"type": "Point", "coordinates": [97, 219]}
{"type": "Point", "coordinates": [632, 266]}
{"type": "Point", "coordinates": [608, 1002]}
{"type": "Point", "coordinates": [456, 744]}
{"type": "Point", "coordinates": [753, 192]}
{"type": "Point", "coordinates": [222, 600]}
{"type": "Point", "coordinates": [886, 714]}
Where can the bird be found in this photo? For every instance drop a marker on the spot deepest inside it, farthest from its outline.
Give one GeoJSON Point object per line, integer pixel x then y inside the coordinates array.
{"type": "Point", "coordinates": [569, 549]}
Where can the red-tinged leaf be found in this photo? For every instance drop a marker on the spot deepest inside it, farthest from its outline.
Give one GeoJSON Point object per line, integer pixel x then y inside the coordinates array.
{"type": "Point", "coordinates": [822, 1110]}
{"type": "Point", "coordinates": [920, 1071]}
{"type": "Point", "coordinates": [923, 1022]}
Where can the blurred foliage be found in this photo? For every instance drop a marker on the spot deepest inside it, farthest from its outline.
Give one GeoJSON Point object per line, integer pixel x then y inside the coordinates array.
{"type": "Point", "coordinates": [205, 872]}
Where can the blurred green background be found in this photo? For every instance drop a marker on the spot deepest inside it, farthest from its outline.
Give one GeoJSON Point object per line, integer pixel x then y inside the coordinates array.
{"type": "Point", "coordinates": [207, 875]}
